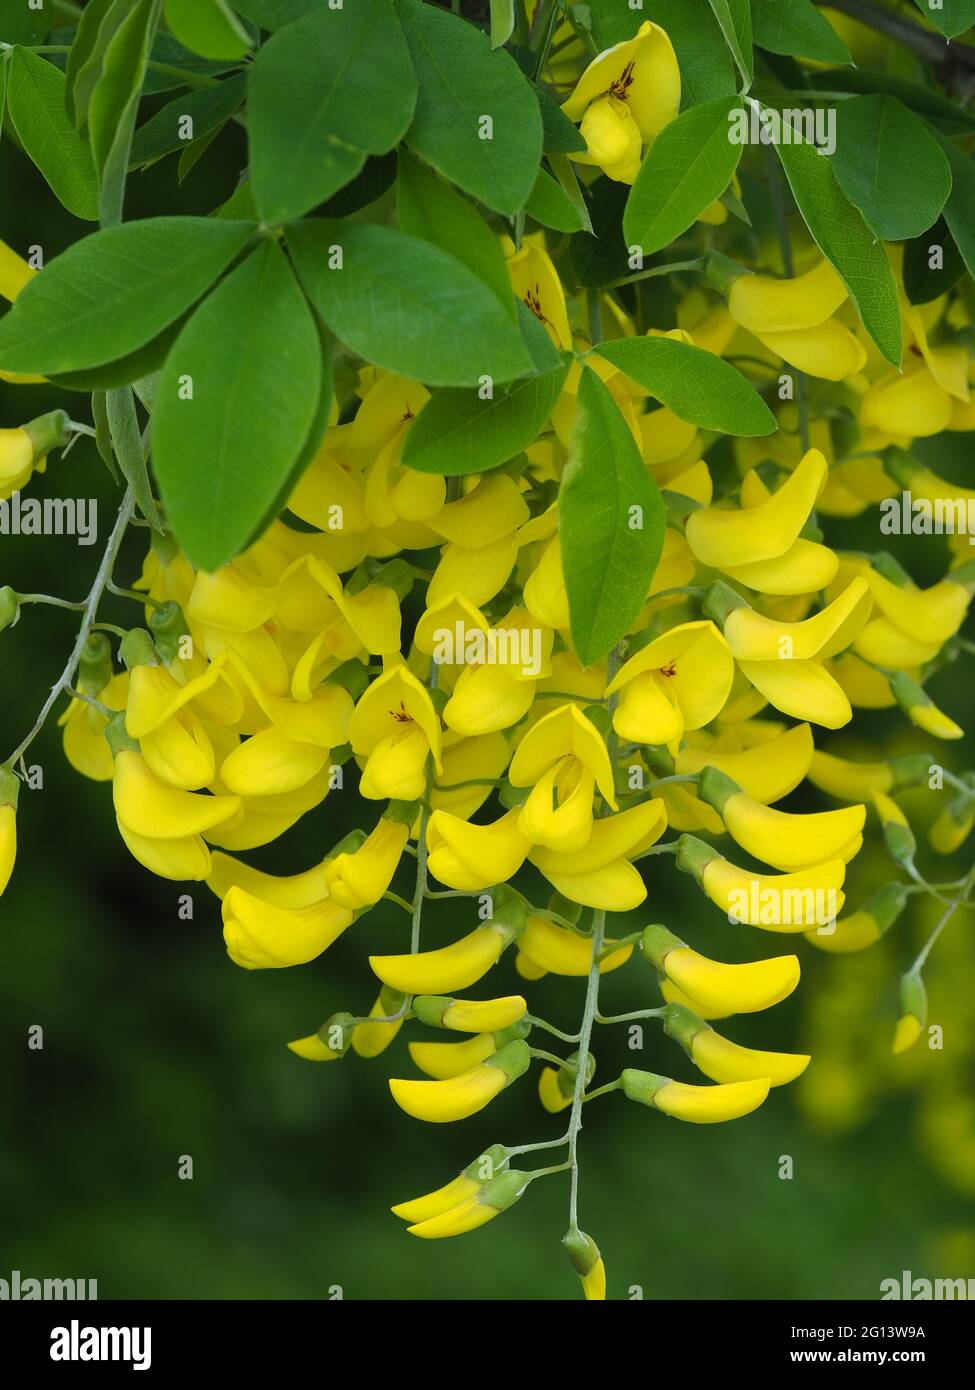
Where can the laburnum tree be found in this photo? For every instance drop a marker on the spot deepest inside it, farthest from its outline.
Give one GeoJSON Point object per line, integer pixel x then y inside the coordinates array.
{"type": "Point", "coordinates": [489, 455]}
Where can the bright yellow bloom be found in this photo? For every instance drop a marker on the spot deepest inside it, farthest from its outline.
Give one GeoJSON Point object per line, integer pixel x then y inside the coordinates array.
{"type": "Point", "coordinates": [865, 927]}
{"type": "Point", "coordinates": [725, 1061]}
{"type": "Point", "coordinates": [263, 936]}
{"type": "Point", "coordinates": [469, 1015]}
{"type": "Point", "coordinates": [719, 987]}
{"type": "Point", "coordinates": [396, 729]}
{"type": "Point", "coordinates": [600, 875]}
{"type": "Point", "coordinates": [786, 902]}
{"type": "Point", "coordinates": [766, 772]}
{"type": "Point", "coordinates": [583, 1251]}
{"type": "Point", "coordinates": [699, 1105]}
{"type": "Point", "coordinates": [485, 1167]}
{"type": "Point", "coordinates": [624, 99]}
{"type": "Point", "coordinates": [8, 827]}
{"type": "Point", "coordinates": [489, 1200]}
{"type": "Point", "coordinates": [451, 967]}
{"type": "Point", "coordinates": [763, 304]}
{"type": "Point", "coordinates": [563, 759]}
{"type": "Point", "coordinates": [150, 808]}
{"type": "Point", "coordinates": [444, 1060]}
{"type": "Point", "coordinates": [287, 890]}
{"type": "Point", "coordinates": [329, 1044]}
{"type": "Point", "coordinates": [360, 878]}
{"type": "Point", "coordinates": [372, 1038]}
{"type": "Point", "coordinates": [909, 404]}
{"type": "Point", "coordinates": [558, 951]}
{"type": "Point", "coordinates": [727, 539]}
{"type": "Point", "coordinates": [913, 1013]}
{"type": "Point", "coordinates": [84, 742]}
{"type": "Point", "coordinates": [15, 273]}
{"type": "Point", "coordinates": [536, 283]}
{"type": "Point", "coordinates": [678, 682]}
{"type": "Point", "coordinates": [471, 857]}
{"type": "Point", "coordinates": [914, 623]}
{"type": "Point", "coordinates": [441, 1102]}
{"type": "Point", "coordinates": [781, 839]}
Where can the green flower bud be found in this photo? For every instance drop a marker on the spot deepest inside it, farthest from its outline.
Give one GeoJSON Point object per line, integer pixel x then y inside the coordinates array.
{"type": "Point", "coordinates": [118, 736]}
{"type": "Point", "coordinates": [169, 626]}
{"type": "Point", "coordinates": [48, 432]}
{"type": "Point", "coordinates": [137, 649]}
{"type": "Point", "coordinates": [95, 666]}
{"type": "Point", "coordinates": [9, 787]}
{"type": "Point", "coordinates": [9, 607]}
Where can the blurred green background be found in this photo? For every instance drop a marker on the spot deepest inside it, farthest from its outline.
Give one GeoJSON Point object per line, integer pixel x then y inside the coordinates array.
{"type": "Point", "coordinates": [156, 1046]}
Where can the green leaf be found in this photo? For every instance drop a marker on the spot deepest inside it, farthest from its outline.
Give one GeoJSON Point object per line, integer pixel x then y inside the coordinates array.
{"type": "Point", "coordinates": [922, 283]}
{"type": "Point", "coordinates": [325, 92]}
{"type": "Point", "coordinates": [706, 67]}
{"type": "Point", "coordinates": [114, 291]}
{"type": "Point", "coordinates": [952, 17]}
{"type": "Point", "coordinates": [735, 21]}
{"type": "Point", "coordinates": [502, 21]}
{"type": "Point", "coordinates": [430, 209]}
{"type": "Point", "coordinates": [559, 135]}
{"type": "Point", "coordinates": [890, 166]}
{"type": "Point", "coordinates": [251, 355]}
{"type": "Point", "coordinates": [843, 237]}
{"type": "Point", "coordinates": [123, 371]}
{"type": "Point", "coordinates": [114, 105]}
{"type": "Point", "coordinates": [123, 424]}
{"type": "Point", "coordinates": [206, 108]}
{"type": "Point", "coordinates": [960, 207]}
{"type": "Point", "coordinates": [35, 102]}
{"type": "Point", "coordinates": [550, 205]}
{"type": "Point", "coordinates": [86, 42]}
{"type": "Point", "coordinates": [406, 305]}
{"type": "Point", "coordinates": [208, 27]}
{"type": "Point", "coordinates": [611, 524]}
{"type": "Point", "coordinates": [949, 118]}
{"type": "Point", "coordinates": [457, 432]}
{"type": "Point", "coordinates": [375, 178]}
{"type": "Point", "coordinates": [697, 385]}
{"type": "Point", "coordinates": [687, 167]}
{"type": "Point", "coordinates": [545, 356]}
{"type": "Point", "coordinates": [797, 29]}
{"type": "Point", "coordinates": [19, 23]}
{"type": "Point", "coordinates": [477, 119]}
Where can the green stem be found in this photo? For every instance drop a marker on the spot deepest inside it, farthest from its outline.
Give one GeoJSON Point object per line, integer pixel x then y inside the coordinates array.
{"type": "Point", "coordinates": [967, 884]}
{"type": "Point", "coordinates": [674, 268]}
{"type": "Point", "coordinates": [776, 185]}
{"type": "Point", "coordinates": [98, 587]}
{"type": "Point", "coordinates": [550, 1028]}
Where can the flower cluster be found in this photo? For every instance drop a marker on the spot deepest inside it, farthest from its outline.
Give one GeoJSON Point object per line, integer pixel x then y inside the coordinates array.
{"type": "Point", "coordinates": [411, 634]}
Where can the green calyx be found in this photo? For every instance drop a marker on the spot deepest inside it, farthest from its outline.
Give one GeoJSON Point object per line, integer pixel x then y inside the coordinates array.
{"type": "Point", "coordinates": [656, 943]}
{"type": "Point", "coordinates": [568, 1072]}
{"type": "Point", "coordinates": [908, 694]}
{"type": "Point", "coordinates": [510, 915]}
{"type": "Point", "coordinates": [694, 855]}
{"type": "Point", "coordinates": [348, 844]}
{"type": "Point", "coordinates": [886, 905]}
{"type": "Point", "coordinates": [565, 908]}
{"type": "Point", "coordinates": [913, 998]}
{"type": "Point", "coordinates": [885, 565]}
{"type": "Point", "coordinates": [138, 649]}
{"type": "Point", "coordinates": [9, 607]}
{"type": "Point", "coordinates": [720, 272]}
{"type": "Point", "coordinates": [599, 717]}
{"type": "Point", "coordinates": [900, 842]}
{"type": "Point", "coordinates": [899, 465]}
{"type": "Point", "coordinates": [641, 1086]}
{"type": "Point", "coordinates": [9, 787]}
{"type": "Point", "coordinates": [430, 1008]}
{"type": "Point", "coordinates": [582, 1250]}
{"type": "Point", "coordinates": [48, 432]}
{"type": "Point", "coordinates": [395, 575]}
{"type": "Point", "coordinates": [513, 1059]}
{"type": "Point", "coordinates": [118, 736]}
{"type": "Point", "coordinates": [168, 626]}
{"type": "Point", "coordinates": [503, 1191]}
{"type": "Point", "coordinates": [336, 1033]}
{"type": "Point", "coordinates": [487, 1165]}
{"type": "Point", "coordinates": [402, 812]}
{"type": "Point", "coordinates": [715, 787]}
{"type": "Point", "coordinates": [912, 770]}
{"type": "Point", "coordinates": [521, 1029]}
{"type": "Point", "coordinates": [95, 665]}
{"type": "Point", "coordinates": [720, 601]}
{"type": "Point", "coordinates": [683, 1025]}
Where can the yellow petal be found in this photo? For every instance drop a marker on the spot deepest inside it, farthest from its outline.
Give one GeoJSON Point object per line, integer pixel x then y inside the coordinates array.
{"type": "Point", "coordinates": [721, 538]}
{"type": "Point", "coordinates": [763, 304]}
{"type": "Point", "coordinates": [725, 1061]}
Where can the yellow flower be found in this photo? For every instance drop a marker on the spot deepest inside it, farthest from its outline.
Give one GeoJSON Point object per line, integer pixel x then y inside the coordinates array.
{"type": "Point", "coordinates": [587, 1262]}
{"type": "Point", "coordinates": [767, 772]}
{"type": "Point", "coordinates": [469, 1015]}
{"type": "Point", "coordinates": [921, 709]}
{"type": "Point", "coordinates": [784, 660]}
{"type": "Point", "coordinates": [468, 1213]}
{"type": "Point", "coordinates": [329, 1044]}
{"type": "Point", "coordinates": [444, 1060]}
{"type": "Point", "coordinates": [777, 902]}
{"type": "Point", "coordinates": [441, 1102]}
{"type": "Point", "coordinates": [793, 319]}
{"type": "Point", "coordinates": [913, 1014]}
{"type": "Point", "coordinates": [718, 987]}
{"type": "Point", "coordinates": [471, 857]}
{"type": "Point", "coordinates": [396, 729]}
{"type": "Point", "coordinates": [781, 839]}
{"type": "Point", "coordinates": [456, 966]}
{"type": "Point", "coordinates": [679, 682]}
{"type": "Point", "coordinates": [865, 927]}
{"type": "Point", "coordinates": [913, 624]}
{"type": "Point", "coordinates": [9, 792]}
{"type": "Point", "coordinates": [563, 759]}
{"type": "Point", "coordinates": [725, 1061]}
{"type": "Point", "coordinates": [25, 449]}
{"type": "Point", "coordinates": [600, 874]}
{"type": "Point", "coordinates": [359, 879]}
{"type": "Point", "coordinates": [700, 1105]}
{"type": "Point", "coordinates": [85, 746]}
{"type": "Point", "coordinates": [372, 1038]}
{"type": "Point", "coordinates": [485, 1167]}
{"type": "Point", "coordinates": [558, 951]}
{"type": "Point", "coordinates": [908, 404]}
{"type": "Point", "coordinates": [263, 936]}
{"type": "Point", "coordinates": [15, 273]}
{"type": "Point", "coordinates": [624, 99]}
{"type": "Point", "coordinates": [536, 283]}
